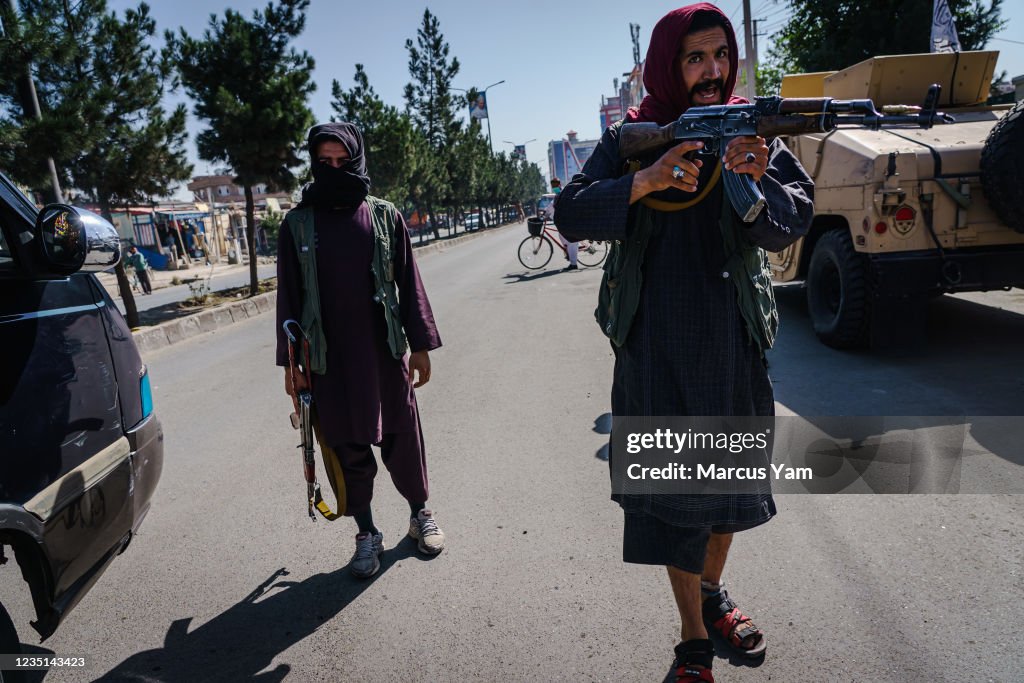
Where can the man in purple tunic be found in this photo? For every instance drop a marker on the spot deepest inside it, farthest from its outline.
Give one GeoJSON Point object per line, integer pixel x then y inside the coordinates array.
{"type": "Point", "coordinates": [346, 271]}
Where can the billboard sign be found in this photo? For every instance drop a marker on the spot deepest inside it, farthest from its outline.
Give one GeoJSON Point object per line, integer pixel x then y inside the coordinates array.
{"type": "Point", "coordinates": [478, 109]}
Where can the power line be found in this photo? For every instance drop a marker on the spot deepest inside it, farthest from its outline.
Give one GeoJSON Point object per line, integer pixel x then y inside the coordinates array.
{"type": "Point", "coordinates": [732, 14]}
{"type": "Point", "coordinates": [1007, 40]}
{"type": "Point", "coordinates": [780, 10]}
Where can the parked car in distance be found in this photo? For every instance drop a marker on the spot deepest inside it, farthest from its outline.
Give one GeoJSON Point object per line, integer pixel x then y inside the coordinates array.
{"type": "Point", "coordinates": [81, 450]}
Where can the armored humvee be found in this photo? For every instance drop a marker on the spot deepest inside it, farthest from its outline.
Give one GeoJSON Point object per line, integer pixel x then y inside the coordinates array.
{"type": "Point", "coordinates": [903, 214]}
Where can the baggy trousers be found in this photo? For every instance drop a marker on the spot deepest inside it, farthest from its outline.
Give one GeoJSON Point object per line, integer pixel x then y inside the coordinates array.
{"type": "Point", "coordinates": [403, 455]}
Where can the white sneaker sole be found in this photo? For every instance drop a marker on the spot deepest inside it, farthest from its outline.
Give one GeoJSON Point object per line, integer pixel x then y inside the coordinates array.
{"type": "Point", "coordinates": [427, 550]}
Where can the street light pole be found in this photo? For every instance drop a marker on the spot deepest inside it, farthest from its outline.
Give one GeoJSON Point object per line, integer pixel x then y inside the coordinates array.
{"type": "Point", "coordinates": [520, 144]}
{"type": "Point", "coordinates": [484, 93]}
{"type": "Point", "coordinates": [489, 141]}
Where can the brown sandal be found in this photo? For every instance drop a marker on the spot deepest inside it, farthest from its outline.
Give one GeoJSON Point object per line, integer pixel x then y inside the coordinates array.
{"type": "Point", "coordinates": [693, 662]}
{"type": "Point", "coordinates": [723, 616]}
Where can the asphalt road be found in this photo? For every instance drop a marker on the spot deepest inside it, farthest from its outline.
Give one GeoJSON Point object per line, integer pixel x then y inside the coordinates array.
{"type": "Point", "coordinates": [230, 581]}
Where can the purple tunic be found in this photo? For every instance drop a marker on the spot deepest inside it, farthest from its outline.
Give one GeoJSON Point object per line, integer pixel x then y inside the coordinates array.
{"type": "Point", "coordinates": [365, 392]}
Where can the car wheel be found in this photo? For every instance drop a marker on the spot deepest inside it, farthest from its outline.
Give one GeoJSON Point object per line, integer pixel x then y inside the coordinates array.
{"type": "Point", "coordinates": [9, 645]}
{"type": "Point", "coordinates": [838, 292]}
{"type": "Point", "coordinates": [1002, 167]}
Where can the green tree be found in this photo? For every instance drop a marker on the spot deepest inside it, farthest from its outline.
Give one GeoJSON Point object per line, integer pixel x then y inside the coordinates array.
{"type": "Point", "coordinates": [49, 40]}
{"type": "Point", "coordinates": [101, 96]}
{"type": "Point", "coordinates": [271, 224]}
{"type": "Point", "coordinates": [827, 35]}
{"type": "Point", "coordinates": [387, 135]}
{"type": "Point", "coordinates": [468, 168]}
{"type": "Point", "coordinates": [430, 103]}
{"type": "Point", "coordinates": [251, 88]}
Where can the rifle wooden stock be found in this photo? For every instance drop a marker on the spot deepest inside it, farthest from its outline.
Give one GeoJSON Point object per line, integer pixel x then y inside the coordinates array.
{"type": "Point", "coordinates": [637, 138]}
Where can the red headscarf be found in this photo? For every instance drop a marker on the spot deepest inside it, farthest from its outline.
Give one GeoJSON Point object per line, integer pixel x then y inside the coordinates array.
{"type": "Point", "coordinates": [667, 96]}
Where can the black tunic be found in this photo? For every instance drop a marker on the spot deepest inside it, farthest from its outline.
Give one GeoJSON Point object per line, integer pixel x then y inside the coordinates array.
{"type": "Point", "coordinates": [688, 352]}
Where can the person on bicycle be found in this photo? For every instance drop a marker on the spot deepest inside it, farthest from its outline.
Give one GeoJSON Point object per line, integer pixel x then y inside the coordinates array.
{"type": "Point", "coordinates": [571, 248]}
{"type": "Point", "coordinates": [689, 309]}
{"type": "Point", "coordinates": [346, 271]}
{"type": "Point", "coordinates": [138, 262]}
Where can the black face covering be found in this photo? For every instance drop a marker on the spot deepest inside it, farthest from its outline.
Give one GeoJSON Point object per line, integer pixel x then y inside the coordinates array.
{"type": "Point", "coordinates": [346, 186]}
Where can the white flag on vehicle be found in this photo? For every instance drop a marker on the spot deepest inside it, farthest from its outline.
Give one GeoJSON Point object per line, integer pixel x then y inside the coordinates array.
{"type": "Point", "coordinates": [944, 38]}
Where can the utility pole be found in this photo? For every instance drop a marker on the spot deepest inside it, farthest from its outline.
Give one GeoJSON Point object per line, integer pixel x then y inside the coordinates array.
{"type": "Point", "coordinates": [634, 36]}
{"type": "Point", "coordinates": [748, 45]}
{"type": "Point", "coordinates": [28, 96]}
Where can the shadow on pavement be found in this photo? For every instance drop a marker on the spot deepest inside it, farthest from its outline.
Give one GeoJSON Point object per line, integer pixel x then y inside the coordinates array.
{"type": "Point", "coordinates": [516, 278]}
{"type": "Point", "coordinates": [603, 425]}
{"type": "Point", "coordinates": [972, 365]}
{"type": "Point", "coordinates": [240, 643]}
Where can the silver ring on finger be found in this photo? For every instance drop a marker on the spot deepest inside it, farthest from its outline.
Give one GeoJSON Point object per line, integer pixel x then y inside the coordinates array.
{"type": "Point", "coordinates": [678, 173]}
{"type": "Point", "coordinates": [750, 158]}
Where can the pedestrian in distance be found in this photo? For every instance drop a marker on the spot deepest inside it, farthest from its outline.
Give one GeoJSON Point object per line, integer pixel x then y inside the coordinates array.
{"type": "Point", "coordinates": [689, 337]}
{"type": "Point", "coordinates": [572, 249]}
{"type": "Point", "coordinates": [138, 263]}
{"type": "Point", "coordinates": [346, 271]}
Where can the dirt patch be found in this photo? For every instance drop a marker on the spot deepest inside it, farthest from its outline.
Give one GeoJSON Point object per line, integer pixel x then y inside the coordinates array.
{"type": "Point", "coordinates": [193, 305]}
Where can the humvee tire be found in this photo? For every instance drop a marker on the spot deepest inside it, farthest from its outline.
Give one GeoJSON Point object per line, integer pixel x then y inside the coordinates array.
{"type": "Point", "coordinates": [1002, 167]}
{"type": "Point", "coordinates": [838, 292]}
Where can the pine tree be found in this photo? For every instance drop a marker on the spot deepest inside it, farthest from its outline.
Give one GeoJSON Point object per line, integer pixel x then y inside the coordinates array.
{"type": "Point", "coordinates": [429, 101]}
{"type": "Point", "coordinates": [251, 88]}
{"type": "Point", "coordinates": [100, 85]}
{"type": "Point", "coordinates": [387, 135]}
{"type": "Point", "coordinates": [51, 41]}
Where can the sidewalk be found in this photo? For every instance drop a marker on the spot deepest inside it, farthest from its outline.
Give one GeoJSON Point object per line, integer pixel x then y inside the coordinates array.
{"type": "Point", "coordinates": [161, 279]}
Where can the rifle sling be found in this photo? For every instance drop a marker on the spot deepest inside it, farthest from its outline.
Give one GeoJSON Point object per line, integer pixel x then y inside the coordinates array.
{"type": "Point", "coordinates": [334, 476]}
{"type": "Point", "coordinates": [660, 205]}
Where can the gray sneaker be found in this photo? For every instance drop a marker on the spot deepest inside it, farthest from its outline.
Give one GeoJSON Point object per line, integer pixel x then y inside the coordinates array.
{"type": "Point", "coordinates": [424, 529]}
{"type": "Point", "coordinates": [366, 560]}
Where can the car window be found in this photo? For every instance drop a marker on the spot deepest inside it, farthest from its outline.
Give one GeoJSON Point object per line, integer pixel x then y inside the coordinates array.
{"type": "Point", "coordinates": [6, 261]}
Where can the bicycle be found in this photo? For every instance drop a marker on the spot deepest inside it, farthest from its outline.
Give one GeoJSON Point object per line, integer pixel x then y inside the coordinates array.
{"type": "Point", "coordinates": [536, 250]}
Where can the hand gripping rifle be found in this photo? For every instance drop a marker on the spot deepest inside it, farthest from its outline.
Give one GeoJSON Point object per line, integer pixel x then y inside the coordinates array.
{"type": "Point", "coordinates": [302, 418]}
{"type": "Point", "coordinates": [769, 117]}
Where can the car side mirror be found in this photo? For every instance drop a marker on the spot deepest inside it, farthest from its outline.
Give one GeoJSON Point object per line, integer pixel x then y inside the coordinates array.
{"type": "Point", "coordinates": [73, 239]}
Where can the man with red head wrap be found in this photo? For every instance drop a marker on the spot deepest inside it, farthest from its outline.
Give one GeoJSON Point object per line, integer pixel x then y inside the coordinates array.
{"type": "Point", "coordinates": [689, 336]}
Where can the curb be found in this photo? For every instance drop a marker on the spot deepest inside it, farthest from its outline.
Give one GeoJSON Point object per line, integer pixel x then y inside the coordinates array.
{"type": "Point", "coordinates": [171, 332]}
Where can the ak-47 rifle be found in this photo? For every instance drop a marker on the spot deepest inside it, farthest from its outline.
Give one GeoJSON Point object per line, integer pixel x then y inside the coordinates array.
{"type": "Point", "coordinates": [302, 418]}
{"type": "Point", "coordinates": [769, 117]}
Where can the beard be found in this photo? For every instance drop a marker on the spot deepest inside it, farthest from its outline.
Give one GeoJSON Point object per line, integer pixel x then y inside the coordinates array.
{"type": "Point", "coordinates": [709, 92]}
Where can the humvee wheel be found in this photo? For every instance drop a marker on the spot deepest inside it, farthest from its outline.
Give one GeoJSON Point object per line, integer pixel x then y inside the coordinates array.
{"type": "Point", "coordinates": [1002, 166]}
{"type": "Point", "coordinates": [837, 292]}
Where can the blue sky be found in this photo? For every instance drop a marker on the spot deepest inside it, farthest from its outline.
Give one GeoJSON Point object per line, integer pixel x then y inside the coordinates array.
{"type": "Point", "coordinates": [557, 58]}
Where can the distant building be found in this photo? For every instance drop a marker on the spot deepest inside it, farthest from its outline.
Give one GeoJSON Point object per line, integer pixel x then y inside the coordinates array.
{"type": "Point", "coordinates": [221, 189]}
{"type": "Point", "coordinates": [567, 156]}
{"type": "Point", "coordinates": [611, 110]}
{"type": "Point", "coordinates": [628, 94]}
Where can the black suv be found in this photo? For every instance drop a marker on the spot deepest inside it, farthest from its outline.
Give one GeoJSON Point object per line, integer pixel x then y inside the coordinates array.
{"type": "Point", "coordinates": [80, 448]}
